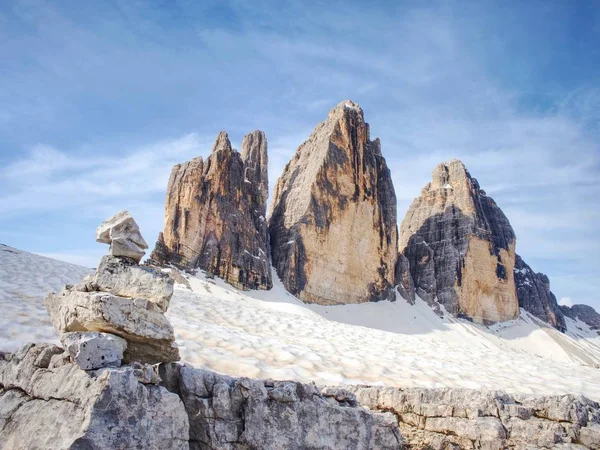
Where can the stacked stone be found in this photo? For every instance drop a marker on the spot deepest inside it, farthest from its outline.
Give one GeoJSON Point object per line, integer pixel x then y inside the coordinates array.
{"type": "Point", "coordinates": [117, 315]}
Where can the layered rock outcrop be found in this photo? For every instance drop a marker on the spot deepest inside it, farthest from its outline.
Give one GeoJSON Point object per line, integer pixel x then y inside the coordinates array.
{"type": "Point", "coordinates": [440, 419]}
{"type": "Point", "coordinates": [333, 216]}
{"type": "Point", "coordinates": [461, 247]}
{"type": "Point", "coordinates": [584, 313]}
{"type": "Point", "coordinates": [533, 292]}
{"type": "Point", "coordinates": [215, 214]}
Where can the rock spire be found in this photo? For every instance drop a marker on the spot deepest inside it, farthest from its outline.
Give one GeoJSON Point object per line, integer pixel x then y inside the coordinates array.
{"type": "Point", "coordinates": [333, 216]}
{"type": "Point", "coordinates": [215, 214]}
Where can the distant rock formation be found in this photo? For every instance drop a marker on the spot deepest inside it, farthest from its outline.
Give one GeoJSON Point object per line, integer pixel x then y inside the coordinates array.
{"type": "Point", "coordinates": [585, 313]}
{"type": "Point", "coordinates": [533, 292]}
{"type": "Point", "coordinates": [461, 247]}
{"type": "Point", "coordinates": [333, 216]}
{"type": "Point", "coordinates": [215, 214]}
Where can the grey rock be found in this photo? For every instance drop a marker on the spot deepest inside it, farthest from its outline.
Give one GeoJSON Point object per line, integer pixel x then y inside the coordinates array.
{"type": "Point", "coordinates": [239, 413]}
{"type": "Point", "coordinates": [333, 219]}
{"type": "Point", "coordinates": [93, 350]}
{"type": "Point", "coordinates": [67, 408]}
{"type": "Point", "coordinates": [533, 292]}
{"type": "Point", "coordinates": [473, 419]}
{"type": "Point", "coordinates": [124, 278]}
{"type": "Point", "coordinates": [215, 215]}
{"type": "Point", "coordinates": [584, 313]}
{"type": "Point", "coordinates": [404, 281]}
{"type": "Point", "coordinates": [460, 248]}
{"type": "Point", "coordinates": [123, 234]}
{"type": "Point", "coordinates": [149, 335]}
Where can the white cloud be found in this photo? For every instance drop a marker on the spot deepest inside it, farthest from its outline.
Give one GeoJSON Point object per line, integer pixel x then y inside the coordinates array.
{"type": "Point", "coordinates": [565, 301]}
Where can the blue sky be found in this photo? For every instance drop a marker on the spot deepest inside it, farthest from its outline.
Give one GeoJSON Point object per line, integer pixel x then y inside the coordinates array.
{"type": "Point", "coordinates": [99, 99]}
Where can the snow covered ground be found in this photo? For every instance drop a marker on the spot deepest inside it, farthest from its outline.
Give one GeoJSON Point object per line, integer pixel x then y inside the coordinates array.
{"type": "Point", "coordinates": [25, 279]}
{"type": "Point", "coordinates": [274, 335]}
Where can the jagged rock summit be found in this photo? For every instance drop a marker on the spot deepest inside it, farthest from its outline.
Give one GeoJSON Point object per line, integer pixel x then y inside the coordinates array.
{"type": "Point", "coordinates": [461, 247]}
{"type": "Point", "coordinates": [333, 217]}
{"type": "Point", "coordinates": [215, 214]}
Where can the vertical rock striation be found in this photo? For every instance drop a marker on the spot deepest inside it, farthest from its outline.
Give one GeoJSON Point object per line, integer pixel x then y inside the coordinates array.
{"type": "Point", "coordinates": [533, 292]}
{"type": "Point", "coordinates": [461, 247]}
{"type": "Point", "coordinates": [215, 214]}
{"type": "Point", "coordinates": [333, 217]}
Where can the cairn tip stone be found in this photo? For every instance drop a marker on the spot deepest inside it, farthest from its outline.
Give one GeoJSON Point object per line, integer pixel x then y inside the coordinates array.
{"type": "Point", "coordinates": [123, 235]}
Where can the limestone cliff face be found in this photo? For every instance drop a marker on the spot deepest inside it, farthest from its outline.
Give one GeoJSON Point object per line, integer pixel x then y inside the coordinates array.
{"type": "Point", "coordinates": [333, 218]}
{"type": "Point", "coordinates": [533, 292]}
{"type": "Point", "coordinates": [215, 214]}
{"type": "Point", "coordinates": [461, 247]}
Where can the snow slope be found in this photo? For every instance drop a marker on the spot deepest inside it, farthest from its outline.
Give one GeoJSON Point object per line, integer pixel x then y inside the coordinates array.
{"type": "Point", "coordinates": [271, 334]}
{"type": "Point", "coordinates": [25, 280]}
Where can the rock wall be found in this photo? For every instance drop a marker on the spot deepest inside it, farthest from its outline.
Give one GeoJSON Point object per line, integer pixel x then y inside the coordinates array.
{"type": "Point", "coordinates": [533, 292]}
{"type": "Point", "coordinates": [48, 402]}
{"type": "Point", "coordinates": [333, 216]}
{"type": "Point", "coordinates": [440, 419]}
{"type": "Point", "coordinates": [215, 214]}
{"type": "Point", "coordinates": [460, 247]}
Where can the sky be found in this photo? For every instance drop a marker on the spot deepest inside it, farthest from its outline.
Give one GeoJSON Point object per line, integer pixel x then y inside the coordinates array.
{"type": "Point", "coordinates": [98, 100]}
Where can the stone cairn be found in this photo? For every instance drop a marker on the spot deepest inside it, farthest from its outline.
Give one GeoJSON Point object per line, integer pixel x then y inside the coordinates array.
{"type": "Point", "coordinates": [116, 315]}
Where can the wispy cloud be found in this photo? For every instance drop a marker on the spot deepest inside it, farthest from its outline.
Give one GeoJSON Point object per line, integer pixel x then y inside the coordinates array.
{"type": "Point", "coordinates": [94, 122]}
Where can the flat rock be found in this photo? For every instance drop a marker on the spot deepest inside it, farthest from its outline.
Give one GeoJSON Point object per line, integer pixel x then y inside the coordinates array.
{"type": "Point", "coordinates": [124, 278]}
{"type": "Point", "coordinates": [44, 407]}
{"type": "Point", "coordinates": [94, 350]}
{"type": "Point", "coordinates": [333, 219]}
{"type": "Point", "coordinates": [149, 335]}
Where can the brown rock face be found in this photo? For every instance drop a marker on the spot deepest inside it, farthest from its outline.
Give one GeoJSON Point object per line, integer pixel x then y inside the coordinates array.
{"type": "Point", "coordinates": [333, 218]}
{"type": "Point", "coordinates": [215, 214]}
{"type": "Point", "coordinates": [461, 247]}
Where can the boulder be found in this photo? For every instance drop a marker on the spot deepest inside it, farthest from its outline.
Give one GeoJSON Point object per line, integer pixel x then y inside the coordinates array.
{"type": "Point", "coordinates": [333, 219]}
{"type": "Point", "coordinates": [93, 350]}
{"type": "Point", "coordinates": [461, 248]}
{"type": "Point", "coordinates": [236, 413]}
{"type": "Point", "coordinates": [215, 215]}
{"type": "Point", "coordinates": [533, 292]}
{"type": "Point", "coordinates": [63, 407]}
{"type": "Point", "coordinates": [149, 335]}
{"type": "Point", "coordinates": [123, 234]}
{"type": "Point", "coordinates": [125, 278]}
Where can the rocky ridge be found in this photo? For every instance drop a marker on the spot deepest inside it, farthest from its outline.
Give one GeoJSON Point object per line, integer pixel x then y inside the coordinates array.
{"type": "Point", "coordinates": [533, 292]}
{"type": "Point", "coordinates": [585, 313]}
{"type": "Point", "coordinates": [215, 214]}
{"type": "Point", "coordinates": [460, 248]}
{"type": "Point", "coordinates": [333, 216]}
